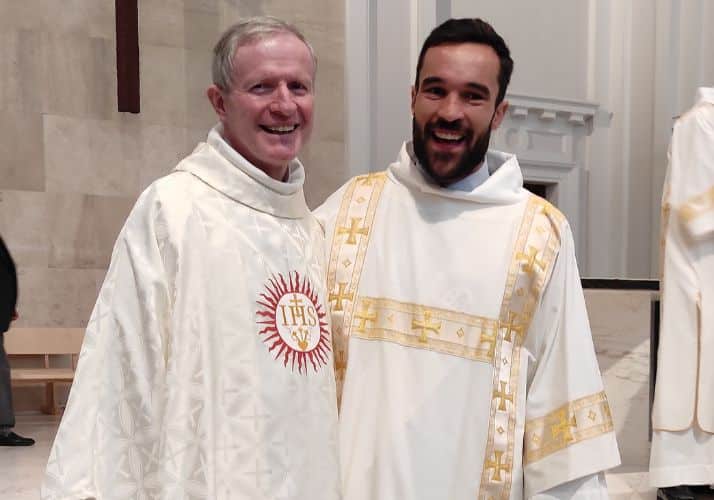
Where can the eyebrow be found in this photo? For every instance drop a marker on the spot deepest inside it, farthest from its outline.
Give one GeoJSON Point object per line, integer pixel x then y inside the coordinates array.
{"type": "Point", "coordinates": [429, 80]}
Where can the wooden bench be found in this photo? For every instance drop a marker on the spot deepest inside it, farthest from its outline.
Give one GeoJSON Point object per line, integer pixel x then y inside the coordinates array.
{"type": "Point", "coordinates": [44, 342]}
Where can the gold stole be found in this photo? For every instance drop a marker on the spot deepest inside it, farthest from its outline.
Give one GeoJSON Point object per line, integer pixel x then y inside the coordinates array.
{"type": "Point", "coordinates": [353, 228]}
{"type": "Point", "coordinates": [534, 253]}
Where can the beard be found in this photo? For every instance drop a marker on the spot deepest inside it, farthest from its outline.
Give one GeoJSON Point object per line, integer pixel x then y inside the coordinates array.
{"type": "Point", "coordinates": [465, 165]}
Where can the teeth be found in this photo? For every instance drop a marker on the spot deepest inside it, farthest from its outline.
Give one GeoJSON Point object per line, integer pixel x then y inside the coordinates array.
{"type": "Point", "coordinates": [448, 136]}
{"type": "Point", "coordinates": [282, 129]}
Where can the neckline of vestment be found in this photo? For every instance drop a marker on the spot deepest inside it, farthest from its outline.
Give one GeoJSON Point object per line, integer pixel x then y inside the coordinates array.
{"type": "Point", "coordinates": [220, 166]}
{"type": "Point", "coordinates": [504, 185]}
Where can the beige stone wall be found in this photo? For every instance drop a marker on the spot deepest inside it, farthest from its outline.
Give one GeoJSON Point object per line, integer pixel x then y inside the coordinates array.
{"type": "Point", "coordinates": [71, 166]}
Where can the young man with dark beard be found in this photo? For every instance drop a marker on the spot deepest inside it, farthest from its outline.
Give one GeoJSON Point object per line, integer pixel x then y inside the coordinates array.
{"type": "Point", "coordinates": [463, 353]}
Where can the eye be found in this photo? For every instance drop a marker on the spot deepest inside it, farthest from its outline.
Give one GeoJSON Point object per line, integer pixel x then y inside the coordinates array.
{"type": "Point", "coordinates": [299, 88]}
{"type": "Point", "coordinates": [434, 91]}
{"type": "Point", "coordinates": [260, 88]}
{"type": "Point", "coordinates": [473, 96]}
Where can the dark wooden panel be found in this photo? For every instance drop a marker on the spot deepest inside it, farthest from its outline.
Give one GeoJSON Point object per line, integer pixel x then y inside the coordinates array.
{"type": "Point", "coordinates": [127, 24]}
{"type": "Point", "coordinates": [620, 284]}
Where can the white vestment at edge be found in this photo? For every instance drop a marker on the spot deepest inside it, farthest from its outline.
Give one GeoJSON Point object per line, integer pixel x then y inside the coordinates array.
{"type": "Point", "coordinates": [206, 370]}
{"type": "Point", "coordinates": [462, 341]}
{"type": "Point", "coordinates": [683, 412]}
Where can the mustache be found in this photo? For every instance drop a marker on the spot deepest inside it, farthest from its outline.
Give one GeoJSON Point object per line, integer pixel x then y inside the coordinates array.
{"type": "Point", "coordinates": [453, 126]}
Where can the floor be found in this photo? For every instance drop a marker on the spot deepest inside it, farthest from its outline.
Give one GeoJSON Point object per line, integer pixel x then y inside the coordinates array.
{"type": "Point", "coordinates": [23, 467]}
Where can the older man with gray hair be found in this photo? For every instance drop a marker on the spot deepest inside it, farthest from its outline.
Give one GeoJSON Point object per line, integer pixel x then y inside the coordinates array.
{"type": "Point", "coordinates": [206, 370]}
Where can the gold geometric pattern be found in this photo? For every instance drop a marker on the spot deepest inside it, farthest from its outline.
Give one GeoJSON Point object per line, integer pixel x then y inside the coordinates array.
{"type": "Point", "coordinates": [536, 246]}
{"type": "Point", "coordinates": [354, 220]}
{"type": "Point", "coordinates": [576, 421]}
{"type": "Point", "coordinates": [422, 327]}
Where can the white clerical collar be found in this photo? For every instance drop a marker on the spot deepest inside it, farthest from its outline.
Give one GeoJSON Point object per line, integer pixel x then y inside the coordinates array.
{"type": "Point", "coordinates": [705, 94]}
{"type": "Point", "coordinates": [474, 180]}
{"type": "Point", "coordinates": [220, 166]}
{"type": "Point", "coordinates": [503, 183]}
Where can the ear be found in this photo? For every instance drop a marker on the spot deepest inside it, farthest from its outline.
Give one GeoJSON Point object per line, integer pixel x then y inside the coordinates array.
{"type": "Point", "coordinates": [414, 94]}
{"type": "Point", "coordinates": [500, 113]}
{"type": "Point", "coordinates": [215, 95]}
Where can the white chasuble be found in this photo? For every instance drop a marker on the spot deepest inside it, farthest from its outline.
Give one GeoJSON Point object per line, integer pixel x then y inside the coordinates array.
{"type": "Point", "coordinates": [683, 412]}
{"type": "Point", "coordinates": [462, 344]}
{"type": "Point", "coordinates": [206, 370]}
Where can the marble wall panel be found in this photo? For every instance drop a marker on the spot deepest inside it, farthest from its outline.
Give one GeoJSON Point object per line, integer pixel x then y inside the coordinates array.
{"type": "Point", "coordinates": [24, 227]}
{"type": "Point", "coordinates": [163, 85]}
{"type": "Point", "coordinates": [329, 102]}
{"type": "Point", "coordinates": [21, 150]}
{"type": "Point", "coordinates": [162, 147]}
{"type": "Point", "coordinates": [98, 157]}
{"type": "Point", "coordinates": [201, 29]}
{"type": "Point", "coordinates": [198, 79]}
{"type": "Point", "coordinates": [83, 229]}
{"type": "Point", "coordinates": [161, 22]}
{"type": "Point", "coordinates": [92, 18]}
{"type": "Point", "coordinates": [208, 6]}
{"type": "Point", "coordinates": [231, 11]}
{"type": "Point", "coordinates": [620, 322]}
{"type": "Point", "coordinates": [326, 170]}
{"type": "Point", "coordinates": [10, 89]}
{"type": "Point", "coordinates": [79, 76]}
{"type": "Point", "coordinates": [57, 297]}
{"type": "Point", "coordinates": [21, 70]}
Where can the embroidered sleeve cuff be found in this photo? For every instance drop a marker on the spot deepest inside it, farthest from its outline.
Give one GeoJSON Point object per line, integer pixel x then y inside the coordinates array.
{"type": "Point", "coordinates": [574, 440]}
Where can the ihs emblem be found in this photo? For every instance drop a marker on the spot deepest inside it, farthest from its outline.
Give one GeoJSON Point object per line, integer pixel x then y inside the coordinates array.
{"type": "Point", "coordinates": [293, 321]}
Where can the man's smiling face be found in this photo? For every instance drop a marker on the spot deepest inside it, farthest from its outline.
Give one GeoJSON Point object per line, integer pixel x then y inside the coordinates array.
{"type": "Point", "coordinates": [267, 112]}
{"type": "Point", "coordinates": [454, 108]}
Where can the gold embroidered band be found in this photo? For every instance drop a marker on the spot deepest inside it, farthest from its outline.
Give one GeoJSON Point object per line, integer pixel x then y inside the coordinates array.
{"type": "Point", "coordinates": [349, 247]}
{"type": "Point", "coordinates": [430, 328]}
{"type": "Point", "coordinates": [576, 421]}
{"type": "Point", "coordinates": [534, 253]}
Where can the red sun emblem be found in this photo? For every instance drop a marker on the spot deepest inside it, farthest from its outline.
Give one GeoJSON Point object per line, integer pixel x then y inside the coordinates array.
{"type": "Point", "coordinates": [293, 321]}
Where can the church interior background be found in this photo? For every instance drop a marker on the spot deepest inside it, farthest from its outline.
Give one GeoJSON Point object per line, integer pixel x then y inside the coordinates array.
{"type": "Point", "coordinates": [596, 87]}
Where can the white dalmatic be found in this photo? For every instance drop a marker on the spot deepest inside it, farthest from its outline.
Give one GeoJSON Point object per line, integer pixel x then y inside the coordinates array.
{"type": "Point", "coordinates": [206, 370]}
{"type": "Point", "coordinates": [683, 411]}
{"type": "Point", "coordinates": [462, 343]}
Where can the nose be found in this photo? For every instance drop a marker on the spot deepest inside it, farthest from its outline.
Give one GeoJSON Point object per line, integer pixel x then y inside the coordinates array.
{"type": "Point", "coordinates": [450, 108]}
{"type": "Point", "coordinates": [283, 102]}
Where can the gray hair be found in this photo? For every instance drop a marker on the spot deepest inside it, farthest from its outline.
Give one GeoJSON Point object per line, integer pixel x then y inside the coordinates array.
{"type": "Point", "coordinates": [242, 33]}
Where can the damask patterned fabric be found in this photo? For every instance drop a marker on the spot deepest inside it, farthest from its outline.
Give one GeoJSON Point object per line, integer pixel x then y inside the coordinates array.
{"type": "Point", "coordinates": [683, 411]}
{"type": "Point", "coordinates": [462, 344]}
{"type": "Point", "coordinates": [206, 370]}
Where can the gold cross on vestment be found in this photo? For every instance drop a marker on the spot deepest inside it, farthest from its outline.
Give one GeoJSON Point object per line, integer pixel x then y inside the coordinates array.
{"type": "Point", "coordinates": [512, 327]}
{"type": "Point", "coordinates": [490, 340]}
{"type": "Point", "coordinates": [295, 301]}
{"type": "Point", "coordinates": [562, 428]}
{"type": "Point", "coordinates": [497, 465]}
{"type": "Point", "coordinates": [364, 316]}
{"type": "Point", "coordinates": [530, 260]}
{"type": "Point", "coordinates": [366, 180]}
{"type": "Point", "coordinates": [353, 231]}
{"type": "Point", "coordinates": [426, 326]}
{"type": "Point", "coordinates": [503, 396]}
{"type": "Point", "coordinates": [340, 296]}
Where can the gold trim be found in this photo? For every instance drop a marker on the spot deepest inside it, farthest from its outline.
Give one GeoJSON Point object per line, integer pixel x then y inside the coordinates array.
{"type": "Point", "coordinates": [424, 327]}
{"type": "Point", "coordinates": [530, 269]}
{"type": "Point", "coordinates": [696, 206]}
{"type": "Point", "coordinates": [576, 421]}
{"type": "Point", "coordinates": [347, 254]}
